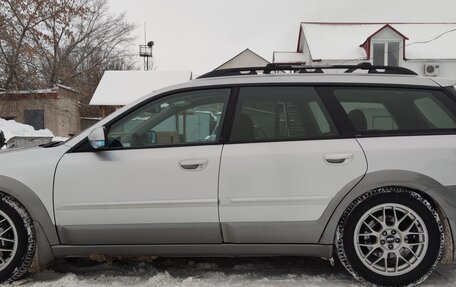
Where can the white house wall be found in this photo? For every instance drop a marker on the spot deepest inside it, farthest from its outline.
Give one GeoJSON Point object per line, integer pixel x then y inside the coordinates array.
{"type": "Point", "coordinates": [245, 59]}
{"type": "Point", "coordinates": [306, 53]}
{"type": "Point", "coordinates": [338, 62]}
{"type": "Point", "coordinates": [447, 68]}
{"type": "Point", "coordinates": [302, 36]}
{"type": "Point", "coordinates": [290, 58]}
{"type": "Point", "coordinates": [386, 34]}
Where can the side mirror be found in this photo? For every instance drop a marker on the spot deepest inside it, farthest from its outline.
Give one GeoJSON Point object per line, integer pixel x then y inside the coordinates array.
{"type": "Point", "coordinates": [97, 138]}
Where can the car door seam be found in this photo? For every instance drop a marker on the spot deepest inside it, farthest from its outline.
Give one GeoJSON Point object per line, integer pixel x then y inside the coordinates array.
{"type": "Point", "coordinates": [218, 194]}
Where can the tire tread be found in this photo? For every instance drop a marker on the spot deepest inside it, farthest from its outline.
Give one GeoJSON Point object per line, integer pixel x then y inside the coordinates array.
{"type": "Point", "coordinates": [339, 242]}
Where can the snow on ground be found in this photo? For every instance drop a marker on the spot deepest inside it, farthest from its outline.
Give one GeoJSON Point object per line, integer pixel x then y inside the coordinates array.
{"type": "Point", "coordinates": [207, 272]}
{"type": "Point", "coordinates": [11, 128]}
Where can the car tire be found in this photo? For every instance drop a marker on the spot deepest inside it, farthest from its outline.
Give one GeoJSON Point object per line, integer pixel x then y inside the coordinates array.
{"type": "Point", "coordinates": [390, 237]}
{"type": "Point", "coordinates": [17, 239]}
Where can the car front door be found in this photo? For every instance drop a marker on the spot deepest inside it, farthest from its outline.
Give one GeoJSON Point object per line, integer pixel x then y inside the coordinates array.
{"type": "Point", "coordinates": [284, 163]}
{"type": "Point", "coordinates": [157, 180]}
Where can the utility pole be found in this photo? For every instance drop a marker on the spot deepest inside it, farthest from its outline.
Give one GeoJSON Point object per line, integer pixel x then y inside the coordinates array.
{"type": "Point", "coordinates": [145, 52]}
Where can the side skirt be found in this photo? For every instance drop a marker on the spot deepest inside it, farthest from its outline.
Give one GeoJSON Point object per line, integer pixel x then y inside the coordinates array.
{"type": "Point", "coordinates": [196, 250]}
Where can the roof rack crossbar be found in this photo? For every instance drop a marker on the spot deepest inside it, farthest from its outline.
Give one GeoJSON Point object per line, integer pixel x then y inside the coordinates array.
{"type": "Point", "coordinates": [308, 69]}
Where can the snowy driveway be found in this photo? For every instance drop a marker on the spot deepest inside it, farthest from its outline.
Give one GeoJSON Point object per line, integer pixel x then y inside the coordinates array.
{"type": "Point", "coordinates": [207, 272]}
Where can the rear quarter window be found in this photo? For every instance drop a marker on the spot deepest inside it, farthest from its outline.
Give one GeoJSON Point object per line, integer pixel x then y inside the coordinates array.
{"type": "Point", "coordinates": [380, 110]}
{"type": "Point", "coordinates": [435, 113]}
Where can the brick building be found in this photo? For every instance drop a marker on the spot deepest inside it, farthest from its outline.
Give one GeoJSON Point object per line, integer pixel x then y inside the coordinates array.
{"type": "Point", "coordinates": [56, 109]}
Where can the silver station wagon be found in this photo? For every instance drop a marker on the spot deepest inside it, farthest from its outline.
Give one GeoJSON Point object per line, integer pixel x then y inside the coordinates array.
{"type": "Point", "coordinates": [359, 166]}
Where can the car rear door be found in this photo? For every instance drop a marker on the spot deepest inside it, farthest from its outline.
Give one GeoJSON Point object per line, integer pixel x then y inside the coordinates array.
{"type": "Point", "coordinates": [403, 129]}
{"type": "Point", "coordinates": [284, 163]}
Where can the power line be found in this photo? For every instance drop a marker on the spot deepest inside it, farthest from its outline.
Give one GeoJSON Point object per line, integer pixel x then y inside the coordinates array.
{"type": "Point", "coordinates": [433, 39]}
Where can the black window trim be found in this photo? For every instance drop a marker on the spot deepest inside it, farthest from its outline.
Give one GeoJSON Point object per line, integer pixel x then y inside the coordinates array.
{"type": "Point", "coordinates": [341, 122]}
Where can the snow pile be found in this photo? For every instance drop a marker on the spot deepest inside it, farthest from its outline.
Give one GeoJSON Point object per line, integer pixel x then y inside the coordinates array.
{"type": "Point", "coordinates": [124, 87]}
{"type": "Point", "coordinates": [59, 139]}
{"type": "Point", "coordinates": [208, 272]}
{"type": "Point", "coordinates": [12, 129]}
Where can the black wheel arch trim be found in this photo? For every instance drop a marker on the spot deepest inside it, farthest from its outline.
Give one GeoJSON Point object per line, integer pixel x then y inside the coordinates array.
{"type": "Point", "coordinates": [355, 269]}
{"type": "Point", "coordinates": [443, 196]}
{"type": "Point", "coordinates": [32, 204]}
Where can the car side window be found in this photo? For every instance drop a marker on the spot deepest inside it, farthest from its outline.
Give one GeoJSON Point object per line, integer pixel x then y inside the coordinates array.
{"type": "Point", "coordinates": [434, 112]}
{"type": "Point", "coordinates": [184, 118]}
{"type": "Point", "coordinates": [396, 109]}
{"type": "Point", "coordinates": [280, 113]}
{"type": "Point", "coordinates": [377, 116]}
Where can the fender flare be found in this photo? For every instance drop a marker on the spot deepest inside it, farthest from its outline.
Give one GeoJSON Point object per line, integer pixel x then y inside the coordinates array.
{"type": "Point", "coordinates": [408, 179]}
{"type": "Point", "coordinates": [32, 204]}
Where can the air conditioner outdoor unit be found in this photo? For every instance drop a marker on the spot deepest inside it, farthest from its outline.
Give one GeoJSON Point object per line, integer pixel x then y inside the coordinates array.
{"type": "Point", "coordinates": [431, 70]}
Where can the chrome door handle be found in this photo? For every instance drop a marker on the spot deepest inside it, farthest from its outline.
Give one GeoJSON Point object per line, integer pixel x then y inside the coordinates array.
{"type": "Point", "coordinates": [338, 158]}
{"type": "Point", "coordinates": [193, 164]}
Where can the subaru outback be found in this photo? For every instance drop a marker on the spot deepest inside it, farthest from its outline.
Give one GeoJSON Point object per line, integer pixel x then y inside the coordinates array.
{"type": "Point", "coordinates": [358, 166]}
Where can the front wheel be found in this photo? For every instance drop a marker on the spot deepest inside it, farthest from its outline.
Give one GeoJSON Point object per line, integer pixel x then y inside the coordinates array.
{"type": "Point", "coordinates": [17, 239]}
{"type": "Point", "coordinates": [390, 237]}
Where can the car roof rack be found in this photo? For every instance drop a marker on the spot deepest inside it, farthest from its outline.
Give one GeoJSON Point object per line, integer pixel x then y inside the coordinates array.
{"type": "Point", "coordinates": [281, 68]}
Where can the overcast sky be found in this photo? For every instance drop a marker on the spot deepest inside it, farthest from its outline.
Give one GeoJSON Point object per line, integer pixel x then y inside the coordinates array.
{"type": "Point", "coordinates": [199, 35]}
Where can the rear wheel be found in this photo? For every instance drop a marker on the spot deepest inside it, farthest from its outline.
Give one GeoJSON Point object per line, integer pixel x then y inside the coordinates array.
{"type": "Point", "coordinates": [390, 237]}
{"type": "Point", "coordinates": [17, 239]}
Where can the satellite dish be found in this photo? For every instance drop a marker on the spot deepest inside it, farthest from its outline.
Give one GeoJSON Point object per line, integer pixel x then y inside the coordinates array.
{"type": "Point", "coordinates": [150, 44]}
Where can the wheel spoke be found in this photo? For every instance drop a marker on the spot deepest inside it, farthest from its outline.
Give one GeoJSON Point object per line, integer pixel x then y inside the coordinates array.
{"type": "Point", "coordinates": [413, 233]}
{"type": "Point", "coordinates": [395, 216]}
{"type": "Point", "coordinates": [368, 245]}
{"type": "Point", "coordinates": [6, 230]}
{"type": "Point", "coordinates": [406, 261]}
{"type": "Point", "coordinates": [384, 216]}
{"type": "Point", "coordinates": [7, 239]}
{"type": "Point", "coordinates": [402, 219]}
{"type": "Point", "coordinates": [396, 263]}
{"type": "Point", "coordinates": [411, 226]}
{"type": "Point", "coordinates": [368, 226]}
{"type": "Point", "coordinates": [411, 251]}
{"type": "Point", "coordinates": [376, 219]}
{"type": "Point", "coordinates": [414, 244]}
{"type": "Point", "coordinates": [370, 252]}
{"type": "Point", "coordinates": [378, 260]}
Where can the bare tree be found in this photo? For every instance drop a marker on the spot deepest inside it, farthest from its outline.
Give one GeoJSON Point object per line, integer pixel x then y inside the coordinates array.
{"type": "Point", "coordinates": [18, 18]}
{"type": "Point", "coordinates": [85, 37]}
{"type": "Point", "coordinates": [43, 42]}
